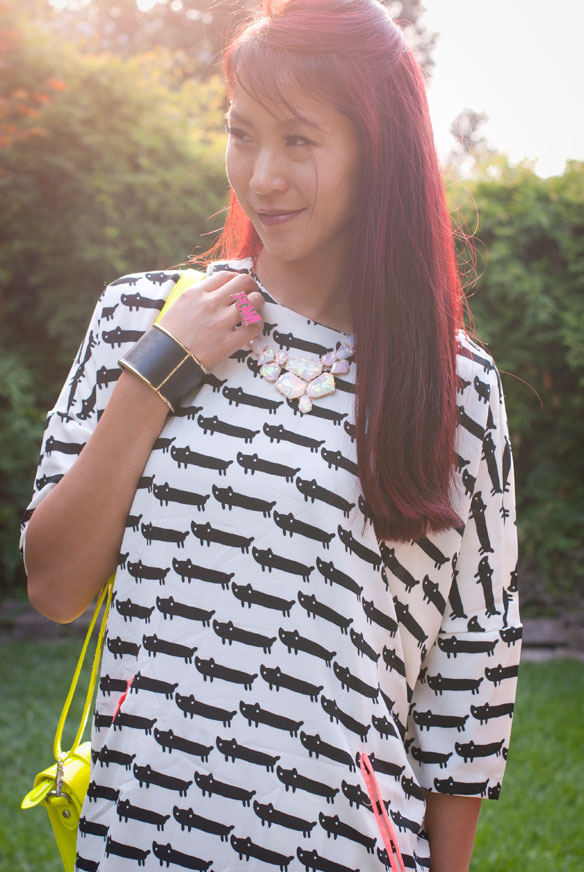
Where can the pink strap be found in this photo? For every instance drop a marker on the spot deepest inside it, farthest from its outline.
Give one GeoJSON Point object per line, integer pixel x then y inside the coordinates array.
{"type": "Point", "coordinates": [381, 816]}
{"type": "Point", "coordinates": [122, 698]}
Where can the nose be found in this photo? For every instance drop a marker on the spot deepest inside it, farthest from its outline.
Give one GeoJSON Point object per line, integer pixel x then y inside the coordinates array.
{"type": "Point", "coordinates": [268, 174]}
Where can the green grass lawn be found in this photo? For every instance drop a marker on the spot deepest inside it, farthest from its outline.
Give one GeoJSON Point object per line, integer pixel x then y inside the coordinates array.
{"type": "Point", "coordinates": [538, 824]}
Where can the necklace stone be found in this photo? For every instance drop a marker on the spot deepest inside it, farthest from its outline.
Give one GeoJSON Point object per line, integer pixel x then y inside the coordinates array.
{"type": "Point", "coordinates": [302, 378]}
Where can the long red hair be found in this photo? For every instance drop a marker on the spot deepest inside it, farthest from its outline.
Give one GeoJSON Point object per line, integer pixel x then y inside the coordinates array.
{"type": "Point", "coordinates": [401, 274]}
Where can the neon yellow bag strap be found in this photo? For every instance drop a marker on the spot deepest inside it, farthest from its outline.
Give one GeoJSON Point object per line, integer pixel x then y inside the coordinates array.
{"type": "Point", "coordinates": [187, 278]}
{"type": "Point", "coordinates": [104, 596]}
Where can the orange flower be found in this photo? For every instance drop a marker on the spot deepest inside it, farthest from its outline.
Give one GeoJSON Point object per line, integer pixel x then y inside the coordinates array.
{"type": "Point", "coordinates": [56, 84]}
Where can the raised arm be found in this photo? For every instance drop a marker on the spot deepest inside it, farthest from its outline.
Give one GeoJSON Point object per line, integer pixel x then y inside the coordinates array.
{"type": "Point", "coordinates": [75, 532]}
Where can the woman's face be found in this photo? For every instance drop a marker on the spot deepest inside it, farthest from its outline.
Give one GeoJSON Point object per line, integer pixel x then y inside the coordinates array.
{"type": "Point", "coordinates": [295, 177]}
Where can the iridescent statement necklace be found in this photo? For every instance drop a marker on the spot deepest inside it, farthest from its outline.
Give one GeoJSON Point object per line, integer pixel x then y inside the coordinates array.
{"type": "Point", "coordinates": [302, 378]}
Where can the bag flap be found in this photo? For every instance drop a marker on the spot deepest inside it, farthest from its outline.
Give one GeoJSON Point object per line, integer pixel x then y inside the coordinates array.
{"type": "Point", "coordinates": [43, 784]}
{"type": "Point", "coordinates": [75, 779]}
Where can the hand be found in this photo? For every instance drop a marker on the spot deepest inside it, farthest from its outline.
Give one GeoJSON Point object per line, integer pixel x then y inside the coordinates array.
{"type": "Point", "coordinates": [205, 316]}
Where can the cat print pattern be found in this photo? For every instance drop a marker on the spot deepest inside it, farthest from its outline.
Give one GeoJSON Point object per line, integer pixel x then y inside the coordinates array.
{"type": "Point", "coordinates": [261, 638]}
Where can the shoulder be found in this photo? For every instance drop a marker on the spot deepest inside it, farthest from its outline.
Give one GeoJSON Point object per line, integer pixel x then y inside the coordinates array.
{"type": "Point", "coordinates": [134, 301]}
{"type": "Point", "coordinates": [471, 358]}
{"type": "Point", "coordinates": [231, 265]}
{"type": "Point", "coordinates": [135, 289]}
{"type": "Point", "coordinates": [475, 368]}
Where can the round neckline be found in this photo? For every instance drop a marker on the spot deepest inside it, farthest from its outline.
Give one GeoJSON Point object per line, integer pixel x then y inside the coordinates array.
{"type": "Point", "coordinates": [271, 299]}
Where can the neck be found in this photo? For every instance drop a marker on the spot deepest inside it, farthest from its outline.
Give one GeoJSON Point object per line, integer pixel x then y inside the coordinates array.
{"type": "Point", "coordinates": [314, 292]}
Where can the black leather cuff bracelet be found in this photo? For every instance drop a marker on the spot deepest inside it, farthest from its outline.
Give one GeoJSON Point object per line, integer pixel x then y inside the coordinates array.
{"type": "Point", "coordinates": [165, 365]}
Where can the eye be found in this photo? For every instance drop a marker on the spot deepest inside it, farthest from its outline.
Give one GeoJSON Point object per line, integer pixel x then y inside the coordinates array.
{"type": "Point", "coordinates": [298, 141]}
{"type": "Point", "coordinates": [236, 132]}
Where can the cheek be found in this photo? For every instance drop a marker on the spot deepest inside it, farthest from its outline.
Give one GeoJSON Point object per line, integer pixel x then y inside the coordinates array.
{"type": "Point", "coordinates": [348, 187]}
{"type": "Point", "coordinates": [353, 187]}
{"type": "Point", "coordinates": [338, 192]}
{"type": "Point", "coordinates": [235, 169]}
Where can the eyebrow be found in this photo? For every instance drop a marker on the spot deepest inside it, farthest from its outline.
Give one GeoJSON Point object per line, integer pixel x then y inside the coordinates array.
{"type": "Point", "coordinates": [234, 115]}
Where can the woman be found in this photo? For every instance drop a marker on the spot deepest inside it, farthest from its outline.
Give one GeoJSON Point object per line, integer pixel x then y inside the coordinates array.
{"type": "Point", "coordinates": [312, 653]}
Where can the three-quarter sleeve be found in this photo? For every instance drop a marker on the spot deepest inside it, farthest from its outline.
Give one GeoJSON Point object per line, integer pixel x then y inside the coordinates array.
{"type": "Point", "coordinates": [125, 309]}
{"type": "Point", "coordinates": [462, 703]}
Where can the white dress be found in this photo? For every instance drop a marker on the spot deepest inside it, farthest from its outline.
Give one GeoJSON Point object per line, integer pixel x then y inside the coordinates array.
{"type": "Point", "coordinates": [269, 639]}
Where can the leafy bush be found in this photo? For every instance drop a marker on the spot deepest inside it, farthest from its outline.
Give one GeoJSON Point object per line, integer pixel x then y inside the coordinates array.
{"type": "Point", "coordinates": [21, 425]}
{"type": "Point", "coordinates": [529, 309]}
{"type": "Point", "coordinates": [122, 175]}
{"type": "Point", "coordinates": [106, 166]}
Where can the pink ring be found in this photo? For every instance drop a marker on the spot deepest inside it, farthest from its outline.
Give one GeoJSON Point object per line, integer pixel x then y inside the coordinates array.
{"type": "Point", "coordinates": [245, 309]}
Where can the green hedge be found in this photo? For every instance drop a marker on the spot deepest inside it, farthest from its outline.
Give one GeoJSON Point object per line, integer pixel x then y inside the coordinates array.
{"type": "Point", "coordinates": [528, 305]}
{"type": "Point", "coordinates": [118, 169]}
{"type": "Point", "coordinates": [123, 176]}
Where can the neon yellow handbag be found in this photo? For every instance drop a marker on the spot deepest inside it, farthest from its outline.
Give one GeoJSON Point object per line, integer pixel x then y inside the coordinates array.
{"type": "Point", "coordinates": [61, 788]}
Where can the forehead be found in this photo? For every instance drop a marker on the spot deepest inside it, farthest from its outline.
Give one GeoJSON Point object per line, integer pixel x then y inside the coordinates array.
{"type": "Point", "coordinates": [295, 106]}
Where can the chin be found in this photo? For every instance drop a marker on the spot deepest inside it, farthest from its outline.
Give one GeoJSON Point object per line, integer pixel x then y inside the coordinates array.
{"type": "Point", "coordinates": [284, 253]}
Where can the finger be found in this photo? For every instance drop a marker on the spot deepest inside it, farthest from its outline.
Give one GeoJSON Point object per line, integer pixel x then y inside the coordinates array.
{"type": "Point", "coordinates": [256, 298]}
{"type": "Point", "coordinates": [233, 335]}
{"type": "Point", "coordinates": [219, 279]}
{"type": "Point", "coordinates": [214, 283]}
{"type": "Point", "coordinates": [228, 283]}
{"type": "Point", "coordinates": [243, 334]}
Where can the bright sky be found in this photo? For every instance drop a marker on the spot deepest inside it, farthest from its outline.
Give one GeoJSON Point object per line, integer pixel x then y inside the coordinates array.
{"type": "Point", "coordinates": [521, 62]}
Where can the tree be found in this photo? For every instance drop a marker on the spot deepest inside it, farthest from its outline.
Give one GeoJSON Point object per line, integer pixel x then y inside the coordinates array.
{"type": "Point", "coordinates": [195, 31]}
{"type": "Point", "coordinates": [409, 14]}
{"type": "Point", "coordinates": [20, 103]}
{"type": "Point", "coordinates": [471, 145]}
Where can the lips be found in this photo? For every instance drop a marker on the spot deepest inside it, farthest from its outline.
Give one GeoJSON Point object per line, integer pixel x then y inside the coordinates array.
{"type": "Point", "coordinates": [277, 216]}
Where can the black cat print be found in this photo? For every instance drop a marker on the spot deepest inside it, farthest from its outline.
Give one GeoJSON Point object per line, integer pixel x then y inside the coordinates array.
{"type": "Point", "coordinates": [264, 636]}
